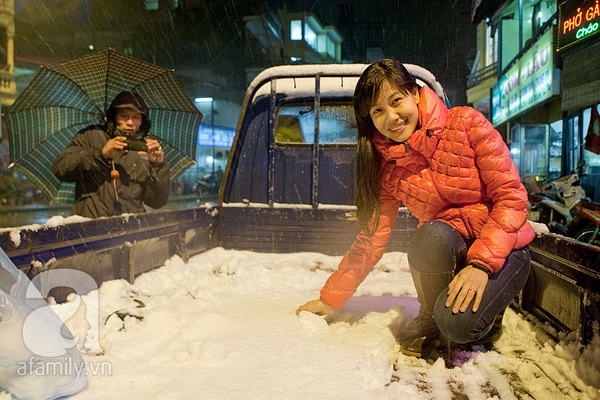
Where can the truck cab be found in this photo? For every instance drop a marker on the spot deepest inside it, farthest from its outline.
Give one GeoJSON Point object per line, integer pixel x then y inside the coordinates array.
{"type": "Point", "coordinates": [296, 137]}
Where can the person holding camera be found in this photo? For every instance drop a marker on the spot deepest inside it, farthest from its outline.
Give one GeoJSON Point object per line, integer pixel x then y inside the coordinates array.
{"type": "Point", "coordinates": [117, 167]}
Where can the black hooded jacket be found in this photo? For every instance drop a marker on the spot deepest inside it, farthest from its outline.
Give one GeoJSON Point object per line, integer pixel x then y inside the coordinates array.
{"type": "Point", "coordinates": [140, 181]}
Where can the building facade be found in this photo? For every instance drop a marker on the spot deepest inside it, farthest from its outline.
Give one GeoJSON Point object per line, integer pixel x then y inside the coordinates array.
{"type": "Point", "coordinates": [578, 48]}
{"type": "Point", "coordinates": [536, 79]}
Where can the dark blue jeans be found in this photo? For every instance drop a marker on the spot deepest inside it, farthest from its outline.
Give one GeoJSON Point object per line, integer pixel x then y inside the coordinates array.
{"type": "Point", "coordinates": [437, 247]}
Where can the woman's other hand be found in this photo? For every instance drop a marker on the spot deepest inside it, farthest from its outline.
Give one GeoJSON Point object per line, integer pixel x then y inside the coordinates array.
{"type": "Point", "coordinates": [315, 307]}
{"type": "Point", "coordinates": [468, 284]}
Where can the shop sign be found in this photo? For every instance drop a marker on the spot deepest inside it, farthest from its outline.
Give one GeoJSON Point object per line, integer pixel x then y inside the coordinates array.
{"type": "Point", "coordinates": [529, 82]}
{"type": "Point", "coordinates": [215, 136]}
{"type": "Point", "coordinates": [577, 20]}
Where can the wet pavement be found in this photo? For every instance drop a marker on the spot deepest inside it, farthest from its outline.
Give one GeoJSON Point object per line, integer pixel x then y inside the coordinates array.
{"type": "Point", "coordinates": [30, 214]}
{"type": "Point", "coordinates": [40, 213]}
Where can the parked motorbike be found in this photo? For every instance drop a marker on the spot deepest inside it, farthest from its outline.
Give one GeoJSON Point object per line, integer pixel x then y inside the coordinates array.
{"type": "Point", "coordinates": [208, 184]}
{"type": "Point", "coordinates": [553, 203]}
{"type": "Point", "coordinates": [585, 223]}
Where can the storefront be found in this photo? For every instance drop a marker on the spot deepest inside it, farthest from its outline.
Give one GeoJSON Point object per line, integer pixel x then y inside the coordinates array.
{"type": "Point", "coordinates": [546, 100]}
{"type": "Point", "coordinates": [578, 49]}
{"type": "Point", "coordinates": [526, 107]}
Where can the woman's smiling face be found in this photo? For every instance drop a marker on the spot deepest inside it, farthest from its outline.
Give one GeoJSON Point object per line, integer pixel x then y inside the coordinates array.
{"type": "Point", "coordinates": [395, 114]}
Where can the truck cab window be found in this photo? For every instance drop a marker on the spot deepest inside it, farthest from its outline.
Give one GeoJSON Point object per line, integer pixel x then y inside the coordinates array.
{"type": "Point", "coordinates": [296, 124]}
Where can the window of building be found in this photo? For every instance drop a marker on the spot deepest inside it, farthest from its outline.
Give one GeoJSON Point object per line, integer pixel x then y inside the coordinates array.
{"type": "Point", "coordinates": [331, 48]}
{"type": "Point", "coordinates": [152, 5]}
{"type": "Point", "coordinates": [542, 12]}
{"type": "Point", "coordinates": [326, 45]}
{"type": "Point", "coordinates": [532, 150]}
{"type": "Point", "coordinates": [3, 46]}
{"type": "Point", "coordinates": [530, 21]}
{"type": "Point", "coordinates": [310, 36]}
{"type": "Point", "coordinates": [320, 39]}
{"type": "Point", "coordinates": [590, 180]}
{"type": "Point", "coordinates": [534, 15]}
{"type": "Point", "coordinates": [535, 144]}
{"type": "Point", "coordinates": [509, 31]}
{"type": "Point", "coordinates": [592, 160]}
{"type": "Point", "coordinates": [491, 46]}
{"type": "Point", "coordinates": [296, 30]}
{"type": "Point", "coordinates": [573, 142]}
{"type": "Point", "coordinates": [322, 43]}
{"type": "Point", "coordinates": [555, 151]}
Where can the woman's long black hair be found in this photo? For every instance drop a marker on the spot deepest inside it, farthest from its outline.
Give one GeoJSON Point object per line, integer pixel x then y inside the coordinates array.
{"type": "Point", "coordinates": [367, 158]}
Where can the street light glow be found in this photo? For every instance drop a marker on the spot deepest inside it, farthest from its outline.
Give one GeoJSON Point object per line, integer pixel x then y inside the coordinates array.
{"type": "Point", "coordinates": [203, 100]}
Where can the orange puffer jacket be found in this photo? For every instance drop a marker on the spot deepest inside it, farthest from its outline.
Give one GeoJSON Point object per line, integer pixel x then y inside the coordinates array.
{"type": "Point", "coordinates": [455, 168]}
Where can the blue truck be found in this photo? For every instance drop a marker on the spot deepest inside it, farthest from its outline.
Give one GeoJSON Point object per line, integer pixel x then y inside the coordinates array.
{"type": "Point", "coordinates": [289, 187]}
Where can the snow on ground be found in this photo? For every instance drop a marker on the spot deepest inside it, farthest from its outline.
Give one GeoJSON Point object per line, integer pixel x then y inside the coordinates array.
{"type": "Point", "coordinates": [223, 326]}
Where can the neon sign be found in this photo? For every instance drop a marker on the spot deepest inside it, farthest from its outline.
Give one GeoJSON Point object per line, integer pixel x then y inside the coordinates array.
{"type": "Point", "coordinates": [531, 81]}
{"type": "Point", "coordinates": [577, 20]}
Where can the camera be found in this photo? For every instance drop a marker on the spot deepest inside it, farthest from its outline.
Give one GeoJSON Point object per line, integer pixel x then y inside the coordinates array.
{"type": "Point", "coordinates": [136, 144]}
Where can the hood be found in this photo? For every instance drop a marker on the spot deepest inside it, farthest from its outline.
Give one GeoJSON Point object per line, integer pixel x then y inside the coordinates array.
{"type": "Point", "coordinates": [130, 100]}
{"type": "Point", "coordinates": [432, 120]}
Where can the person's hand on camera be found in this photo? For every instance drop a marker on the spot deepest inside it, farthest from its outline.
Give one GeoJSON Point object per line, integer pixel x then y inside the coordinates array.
{"type": "Point", "coordinates": [114, 147]}
{"type": "Point", "coordinates": [155, 153]}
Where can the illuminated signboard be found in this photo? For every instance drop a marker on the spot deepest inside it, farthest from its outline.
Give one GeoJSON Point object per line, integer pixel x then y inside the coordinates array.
{"type": "Point", "coordinates": [577, 20]}
{"type": "Point", "coordinates": [223, 136]}
{"type": "Point", "coordinates": [531, 81]}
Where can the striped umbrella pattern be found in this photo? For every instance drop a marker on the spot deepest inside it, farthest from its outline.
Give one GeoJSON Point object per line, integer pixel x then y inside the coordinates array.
{"type": "Point", "coordinates": [66, 97]}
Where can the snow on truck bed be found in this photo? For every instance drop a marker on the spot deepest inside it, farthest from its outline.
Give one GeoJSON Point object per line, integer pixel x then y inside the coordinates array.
{"type": "Point", "coordinates": [223, 326]}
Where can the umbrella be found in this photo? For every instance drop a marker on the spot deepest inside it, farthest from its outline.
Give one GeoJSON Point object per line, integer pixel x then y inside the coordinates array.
{"type": "Point", "coordinates": [66, 97]}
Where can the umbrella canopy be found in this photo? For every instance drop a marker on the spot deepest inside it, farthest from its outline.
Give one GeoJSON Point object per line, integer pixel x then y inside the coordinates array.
{"type": "Point", "coordinates": [66, 97]}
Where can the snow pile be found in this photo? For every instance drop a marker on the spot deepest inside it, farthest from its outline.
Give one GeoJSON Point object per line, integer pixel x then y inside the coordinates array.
{"type": "Point", "coordinates": [223, 326]}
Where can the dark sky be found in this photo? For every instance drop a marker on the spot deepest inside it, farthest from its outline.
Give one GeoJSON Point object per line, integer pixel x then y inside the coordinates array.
{"type": "Point", "coordinates": [415, 30]}
{"type": "Point", "coordinates": [436, 34]}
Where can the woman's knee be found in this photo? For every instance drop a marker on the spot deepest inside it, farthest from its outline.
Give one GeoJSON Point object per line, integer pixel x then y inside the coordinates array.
{"type": "Point", "coordinates": [435, 247]}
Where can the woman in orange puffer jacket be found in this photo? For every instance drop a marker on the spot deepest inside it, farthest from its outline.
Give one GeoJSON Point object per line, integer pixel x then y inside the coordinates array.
{"type": "Point", "coordinates": [469, 256]}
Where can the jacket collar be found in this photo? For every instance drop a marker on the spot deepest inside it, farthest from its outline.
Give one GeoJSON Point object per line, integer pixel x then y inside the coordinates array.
{"type": "Point", "coordinates": [432, 120]}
